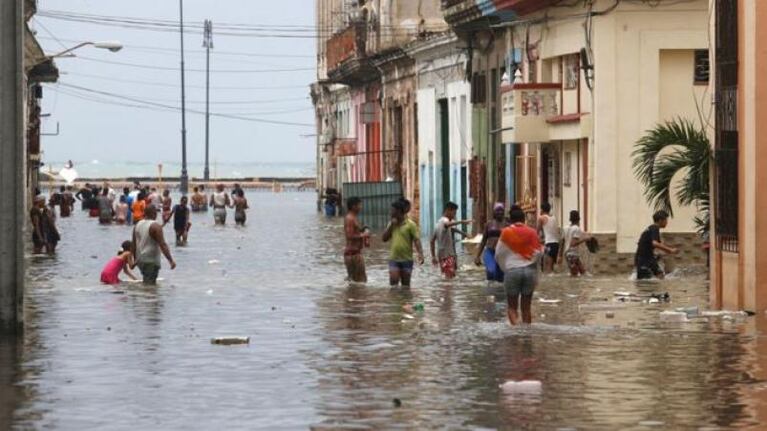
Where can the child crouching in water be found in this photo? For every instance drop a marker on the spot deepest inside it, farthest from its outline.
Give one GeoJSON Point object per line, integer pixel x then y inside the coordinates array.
{"type": "Point", "coordinates": [122, 262]}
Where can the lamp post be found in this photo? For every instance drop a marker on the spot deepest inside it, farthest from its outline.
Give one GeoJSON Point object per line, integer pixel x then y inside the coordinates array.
{"type": "Point", "coordinates": [184, 183]}
{"type": "Point", "coordinates": [208, 44]}
{"type": "Point", "coordinates": [111, 45]}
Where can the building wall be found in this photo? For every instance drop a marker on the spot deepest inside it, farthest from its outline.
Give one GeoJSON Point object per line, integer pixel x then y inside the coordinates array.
{"type": "Point", "coordinates": [627, 102]}
{"type": "Point", "coordinates": [739, 280]}
{"type": "Point", "coordinates": [643, 60]}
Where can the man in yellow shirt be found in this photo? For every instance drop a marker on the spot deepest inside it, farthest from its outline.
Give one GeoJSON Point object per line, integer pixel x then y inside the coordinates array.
{"type": "Point", "coordinates": [404, 235]}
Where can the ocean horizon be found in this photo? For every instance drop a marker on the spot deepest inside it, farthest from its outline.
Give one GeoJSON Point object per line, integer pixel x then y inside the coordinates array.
{"type": "Point", "coordinates": [123, 169]}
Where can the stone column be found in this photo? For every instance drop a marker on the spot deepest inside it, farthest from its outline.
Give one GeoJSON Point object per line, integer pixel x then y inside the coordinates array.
{"type": "Point", "coordinates": [11, 165]}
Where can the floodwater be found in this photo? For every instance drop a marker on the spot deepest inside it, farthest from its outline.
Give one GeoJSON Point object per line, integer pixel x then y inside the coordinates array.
{"type": "Point", "coordinates": [324, 355]}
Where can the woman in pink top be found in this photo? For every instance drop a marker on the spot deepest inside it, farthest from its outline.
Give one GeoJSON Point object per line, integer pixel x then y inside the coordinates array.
{"type": "Point", "coordinates": [122, 262]}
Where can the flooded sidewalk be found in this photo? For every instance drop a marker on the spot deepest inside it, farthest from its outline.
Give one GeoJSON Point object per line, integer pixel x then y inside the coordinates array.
{"type": "Point", "coordinates": [324, 355]}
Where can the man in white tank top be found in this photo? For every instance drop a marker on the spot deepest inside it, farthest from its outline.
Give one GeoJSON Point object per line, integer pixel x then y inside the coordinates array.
{"type": "Point", "coordinates": [148, 243]}
{"type": "Point", "coordinates": [219, 200]}
{"type": "Point", "coordinates": [552, 236]}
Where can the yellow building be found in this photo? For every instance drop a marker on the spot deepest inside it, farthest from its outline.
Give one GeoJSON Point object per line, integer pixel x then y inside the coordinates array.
{"type": "Point", "coordinates": [590, 81]}
{"type": "Point", "coordinates": [739, 260]}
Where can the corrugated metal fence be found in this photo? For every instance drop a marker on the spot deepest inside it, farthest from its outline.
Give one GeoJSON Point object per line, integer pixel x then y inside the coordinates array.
{"type": "Point", "coordinates": [376, 200]}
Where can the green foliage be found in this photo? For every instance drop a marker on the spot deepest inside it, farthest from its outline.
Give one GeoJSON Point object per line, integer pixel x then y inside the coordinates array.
{"type": "Point", "coordinates": [673, 148]}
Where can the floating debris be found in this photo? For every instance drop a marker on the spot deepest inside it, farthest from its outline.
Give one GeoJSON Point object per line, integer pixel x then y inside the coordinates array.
{"type": "Point", "coordinates": [229, 341]}
{"type": "Point", "coordinates": [673, 316]}
{"type": "Point", "coordinates": [549, 301]}
{"type": "Point", "coordinates": [532, 387]}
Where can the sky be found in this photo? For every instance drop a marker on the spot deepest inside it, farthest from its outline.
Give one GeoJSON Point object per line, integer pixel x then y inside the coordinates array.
{"type": "Point", "coordinates": [252, 86]}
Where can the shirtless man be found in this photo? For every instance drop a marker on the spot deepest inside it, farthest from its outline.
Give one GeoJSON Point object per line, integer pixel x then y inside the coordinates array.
{"type": "Point", "coordinates": [357, 237]}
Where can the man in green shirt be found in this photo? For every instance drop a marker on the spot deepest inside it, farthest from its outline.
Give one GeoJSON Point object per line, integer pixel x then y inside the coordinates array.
{"type": "Point", "coordinates": [403, 234]}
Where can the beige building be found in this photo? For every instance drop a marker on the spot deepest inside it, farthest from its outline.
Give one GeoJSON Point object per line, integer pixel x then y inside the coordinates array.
{"type": "Point", "coordinates": [586, 88]}
{"type": "Point", "coordinates": [738, 257]}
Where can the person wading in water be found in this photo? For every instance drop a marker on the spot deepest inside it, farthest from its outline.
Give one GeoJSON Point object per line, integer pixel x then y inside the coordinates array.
{"type": "Point", "coordinates": [356, 238]}
{"type": "Point", "coordinates": [486, 253]}
{"type": "Point", "coordinates": [220, 201]}
{"type": "Point", "coordinates": [148, 244]}
{"type": "Point", "coordinates": [517, 252]}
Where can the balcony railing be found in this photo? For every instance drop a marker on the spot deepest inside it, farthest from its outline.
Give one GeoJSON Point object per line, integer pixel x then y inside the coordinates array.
{"type": "Point", "coordinates": [526, 109]}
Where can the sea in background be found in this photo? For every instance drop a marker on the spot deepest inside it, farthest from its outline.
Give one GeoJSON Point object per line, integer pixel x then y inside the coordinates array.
{"type": "Point", "coordinates": [108, 169]}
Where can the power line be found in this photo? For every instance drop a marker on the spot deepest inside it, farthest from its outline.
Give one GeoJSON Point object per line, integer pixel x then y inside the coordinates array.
{"type": "Point", "coordinates": [175, 108]}
{"type": "Point", "coordinates": [168, 85]}
{"type": "Point", "coordinates": [241, 30]}
{"type": "Point", "coordinates": [152, 67]}
{"type": "Point", "coordinates": [175, 50]}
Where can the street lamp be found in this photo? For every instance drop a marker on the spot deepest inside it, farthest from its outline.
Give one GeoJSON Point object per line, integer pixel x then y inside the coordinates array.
{"type": "Point", "coordinates": [184, 180]}
{"type": "Point", "coordinates": [111, 45]}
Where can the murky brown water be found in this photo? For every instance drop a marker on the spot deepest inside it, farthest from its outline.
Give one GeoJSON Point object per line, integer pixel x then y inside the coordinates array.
{"type": "Point", "coordinates": [329, 356]}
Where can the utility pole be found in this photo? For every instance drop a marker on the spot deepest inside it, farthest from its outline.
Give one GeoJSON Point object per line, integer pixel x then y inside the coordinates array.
{"type": "Point", "coordinates": [184, 186]}
{"type": "Point", "coordinates": [12, 154]}
{"type": "Point", "coordinates": [207, 42]}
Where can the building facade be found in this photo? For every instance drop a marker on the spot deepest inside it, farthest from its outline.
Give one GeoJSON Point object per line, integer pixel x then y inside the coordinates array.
{"type": "Point", "coordinates": [365, 94]}
{"type": "Point", "coordinates": [560, 96]}
{"type": "Point", "coordinates": [738, 263]}
{"type": "Point", "coordinates": [444, 117]}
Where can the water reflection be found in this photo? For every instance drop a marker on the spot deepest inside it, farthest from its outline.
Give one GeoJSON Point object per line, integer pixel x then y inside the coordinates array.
{"type": "Point", "coordinates": [327, 355]}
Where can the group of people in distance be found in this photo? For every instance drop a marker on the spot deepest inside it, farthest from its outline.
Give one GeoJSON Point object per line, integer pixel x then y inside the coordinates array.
{"type": "Point", "coordinates": [220, 200]}
{"type": "Point", "coordinates": [141, 206]}
{"type": "Point", "coordinates": [512, 252]}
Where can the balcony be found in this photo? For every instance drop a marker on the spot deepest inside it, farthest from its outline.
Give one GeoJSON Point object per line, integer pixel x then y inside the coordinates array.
{"type": "Point", "coordinates": [461, 12]}
{"type": "Point", "coordinates": [533, 113]}
{"type": "Point", "coordinates": [347, 59]}
{"type": "Point", "coordinates": [526, 109]}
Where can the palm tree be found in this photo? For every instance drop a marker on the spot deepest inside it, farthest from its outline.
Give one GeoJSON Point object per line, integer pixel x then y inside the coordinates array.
{"type": "Point", "coordinates": [672, 148]}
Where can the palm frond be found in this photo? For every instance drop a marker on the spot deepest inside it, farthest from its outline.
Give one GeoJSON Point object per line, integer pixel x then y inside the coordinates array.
{"type": "Point", "coordinates": [674, 148]}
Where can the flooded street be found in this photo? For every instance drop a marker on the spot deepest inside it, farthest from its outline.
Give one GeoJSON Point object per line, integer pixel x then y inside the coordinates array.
{"type": "Point", "coordinates": [323, 355]}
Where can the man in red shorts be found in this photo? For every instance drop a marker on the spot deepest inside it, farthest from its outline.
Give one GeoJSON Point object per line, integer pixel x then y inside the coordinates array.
{"type": "Point", "coordinates": [444, 241]}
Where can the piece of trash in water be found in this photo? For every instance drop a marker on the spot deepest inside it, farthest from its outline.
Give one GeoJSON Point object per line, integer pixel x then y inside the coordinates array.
{"type": "Point", "coordinates": [690, 311]}
{"type": "Point", "coordinates": [490, 299]}
{"type": "Point", "coordinates": [651, 423]}
{"type": "Point", "coordinates": [531, 387]}
{"type": "Point", "coordinates": [622, 293]}
{"type": "Point", "coordinates": [274, 308]}
{"type": "Point", "coordinates": [602, 306]}
{"type": "Point", "coordinates": [653, 301]}
{"type": "Point", "coordinates": [609, 314]}
{"type": "Point", "coordinates": [722, 313]}
{"type": "Point", "coordinates": [673, 316]}
{"type": "Point", "coordinates": [543, 316]}
{"type": "Point", "coordinates": [213, 261]}
{"type": "Point", "coordinates": [418, 307]}
{"type": "Point", "coordinates": [397, 402]}
{"type": "Point", "coordinates": [228, 341]}
{"type": "Point", "coordinates": [408, 316]}
{"type": "Point", "coordinates": [209, 292]}
{"type": "Point", "coordinates": [570, 295]}
{"type": "Point", "coordinates": [549, 301]}
{"type": "Point", "coordinates": [407, 308]}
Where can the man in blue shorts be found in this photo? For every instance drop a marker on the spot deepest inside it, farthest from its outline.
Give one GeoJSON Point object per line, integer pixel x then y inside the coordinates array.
{"type": "Point", "coordinates": [404, 235]}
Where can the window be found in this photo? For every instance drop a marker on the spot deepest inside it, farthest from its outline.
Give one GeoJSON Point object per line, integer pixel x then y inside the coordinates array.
{"type": "Point", "coordinates": [567, 181]}
{"type": "Point", "coordinates": [702, 67]}
{"type": "Point", "coordinates": [571, 71]}
{"type": "Point", "coordinates": [479, 88]}
{"type": "Point", "coordinates": [727, 204]}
